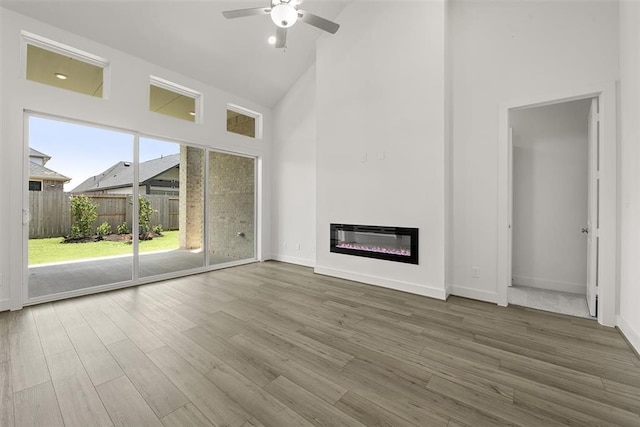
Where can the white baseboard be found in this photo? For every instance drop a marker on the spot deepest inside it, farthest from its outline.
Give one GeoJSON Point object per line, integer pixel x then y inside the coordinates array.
{"type": "Point", "coordinates": [471, 293]}
{"type": "Point", "coordinates": [384, 282]}
{"type": "Point", "coordinates": [553, 285]}
{"type": "Point", "coordinates": [630, 334]}
{"type": "Point", "coordinates": [305, 262]}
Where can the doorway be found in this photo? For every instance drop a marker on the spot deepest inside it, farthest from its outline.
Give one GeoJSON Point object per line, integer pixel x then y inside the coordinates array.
{"type": "Point", "coordinates": [551, 194]}
{"type": "Point", "coordinates": [604, 267]}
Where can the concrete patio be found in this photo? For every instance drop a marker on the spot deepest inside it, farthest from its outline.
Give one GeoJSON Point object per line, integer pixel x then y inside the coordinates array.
{"type": "Point", "coordinates": [69, 276]}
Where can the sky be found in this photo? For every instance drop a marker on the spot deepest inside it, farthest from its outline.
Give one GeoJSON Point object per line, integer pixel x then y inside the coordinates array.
{"type": "Point", "coordinates": [80, 151]}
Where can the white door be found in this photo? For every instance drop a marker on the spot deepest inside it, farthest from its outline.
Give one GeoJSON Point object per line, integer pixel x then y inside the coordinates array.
{"type": "Point", "coordinates": [592, 209]}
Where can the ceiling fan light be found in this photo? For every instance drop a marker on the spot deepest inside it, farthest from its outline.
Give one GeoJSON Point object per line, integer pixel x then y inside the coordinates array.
{"type": "Point", "coordinates": [284, 15]}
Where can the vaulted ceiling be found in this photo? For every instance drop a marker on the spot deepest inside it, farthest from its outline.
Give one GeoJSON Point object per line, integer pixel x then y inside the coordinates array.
{"type": "Point", "coordinates": [193, 38]}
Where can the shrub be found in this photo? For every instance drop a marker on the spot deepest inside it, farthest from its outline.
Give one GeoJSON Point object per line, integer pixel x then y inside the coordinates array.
{"type": "Point", "coordinates": [75, 231]}
{"type": "Point", "coordinates": [144, 214]}
{"type": "Point", "coordinates": [103, 229]}
{"type": "Point", "coordinates": [157, 229]}
{"type": "Point", "coordinates": [123, 228]}
{"type": "Point", "coordinates": [84, 213]}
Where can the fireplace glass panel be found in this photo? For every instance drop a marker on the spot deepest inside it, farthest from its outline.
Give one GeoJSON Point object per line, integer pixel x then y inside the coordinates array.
{"type": "Point", "coordinates": [389, 243]}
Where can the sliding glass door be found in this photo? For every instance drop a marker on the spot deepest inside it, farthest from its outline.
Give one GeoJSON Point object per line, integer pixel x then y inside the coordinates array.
{"type": "Point", "coordinates": [104, 215]}
{"type": "Point", "coordinates": [79, 191]}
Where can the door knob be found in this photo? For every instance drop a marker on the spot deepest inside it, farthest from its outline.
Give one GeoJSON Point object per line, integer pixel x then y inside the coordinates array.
{"type": "Point", "coordinates": [585, 230]}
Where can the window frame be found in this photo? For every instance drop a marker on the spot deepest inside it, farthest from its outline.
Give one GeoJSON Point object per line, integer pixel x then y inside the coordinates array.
{"type": "Point", "coordinates": [258, 117]}
{"type": "Point", "coordinates": [39, 181]}
{"type": "Point", "coordinates": [180, 90]}
{"type": "Point", "coordinates": [66, 50]}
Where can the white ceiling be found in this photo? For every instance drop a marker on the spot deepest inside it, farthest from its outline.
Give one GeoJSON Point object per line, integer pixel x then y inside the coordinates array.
{"type": "Point", "coordinates": [193, 38]}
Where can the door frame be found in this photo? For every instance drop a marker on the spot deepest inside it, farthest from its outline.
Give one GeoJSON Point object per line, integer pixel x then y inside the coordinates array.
{"type": "Point", "coordinates": [608, 206]}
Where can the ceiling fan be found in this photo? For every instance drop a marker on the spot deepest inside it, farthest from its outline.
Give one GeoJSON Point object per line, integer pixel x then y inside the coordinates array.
{"type": "Point", "coordinates": [284, 13]}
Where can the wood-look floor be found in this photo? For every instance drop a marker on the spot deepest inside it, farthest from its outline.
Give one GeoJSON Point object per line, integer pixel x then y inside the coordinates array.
{"type": "Point", "coordinates": [275, 345]}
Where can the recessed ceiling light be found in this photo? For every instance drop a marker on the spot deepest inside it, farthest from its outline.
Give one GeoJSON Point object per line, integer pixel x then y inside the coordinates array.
{"type": "Point", "coordinates": [61, 76]}
{"type": "Point", "coordinates": [271, 40]}
{"type": "Point", "coordinates": [192, 113]}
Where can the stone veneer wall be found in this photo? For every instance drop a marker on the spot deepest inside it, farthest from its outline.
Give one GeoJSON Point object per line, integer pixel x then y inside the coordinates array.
{"type": "Point", "coordinates": [191, 209]}
{"type": "Point", "coordinates": [239, 123]}
{"type": "Point", "coordinates": [231, 207]}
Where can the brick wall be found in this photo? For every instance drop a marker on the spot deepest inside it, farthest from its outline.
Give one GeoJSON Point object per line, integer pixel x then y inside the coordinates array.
{"type": "Point", "coordinates": [239, 123]}
{"type": "Point", "coordinates": [191, 197]}
{"type": "Point", "coordinates": [231, 206]}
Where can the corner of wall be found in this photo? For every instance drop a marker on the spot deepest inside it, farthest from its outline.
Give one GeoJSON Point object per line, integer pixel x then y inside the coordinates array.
{"type": "Point", "coordinates": [631, 335]}
{"type": "Point", "coordinates": [294, 174]}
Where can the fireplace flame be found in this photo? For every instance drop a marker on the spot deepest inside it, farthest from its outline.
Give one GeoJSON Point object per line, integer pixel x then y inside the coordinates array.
{"type": "Point", "coordinates": [378, 249]}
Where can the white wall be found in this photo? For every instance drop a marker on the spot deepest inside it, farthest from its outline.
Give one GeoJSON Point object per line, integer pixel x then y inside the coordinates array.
{"type": "Point", "coordinates": [126, 108]}
{"type": "Point", "coordinates": [550, 174]}
{"type": "Point", "coordinates": [4, 176]}
{"type": "Point", "coordinates": [504, 51]}
{"type": "Point", "coordinates": [294, 173]}
{"type": "Point", "coordinates": [381, 137]}
{"type": "Point", "coordinates": [629, 318]}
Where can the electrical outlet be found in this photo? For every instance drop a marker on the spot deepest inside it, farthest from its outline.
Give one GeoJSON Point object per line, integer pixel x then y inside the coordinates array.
{"type": "Point", "coordinates": [475, 272]}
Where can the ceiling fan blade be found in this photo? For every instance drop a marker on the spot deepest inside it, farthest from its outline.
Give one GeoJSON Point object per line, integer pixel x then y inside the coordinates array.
{"type": "Point", "coordinates": [318, 22]}
{"type": "Point", "coordinates": [241, 13]}
{"type": "Point", "coordinates": [281, 38]}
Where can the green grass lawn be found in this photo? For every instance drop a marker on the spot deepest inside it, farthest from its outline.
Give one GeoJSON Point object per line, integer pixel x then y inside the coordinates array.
{"type": "Point", "coordinates": [42, 251]}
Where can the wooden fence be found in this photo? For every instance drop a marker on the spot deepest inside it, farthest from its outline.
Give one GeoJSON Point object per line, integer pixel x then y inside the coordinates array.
{"type": "Point", "coordinates": [165, 211]}
{"type": "Point", "coordinates": [51, 212]}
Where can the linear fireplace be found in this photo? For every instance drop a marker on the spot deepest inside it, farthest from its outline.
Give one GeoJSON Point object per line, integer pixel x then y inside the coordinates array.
{"type": "Point", "coordinates": [371, 241]}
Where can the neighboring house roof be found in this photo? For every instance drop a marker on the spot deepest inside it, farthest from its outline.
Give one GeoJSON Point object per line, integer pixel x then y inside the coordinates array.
{"type": "Point", "coordinates": [37, 172]}
{"type": "Point", "coordinates": [39, 154]}
{"type": "Point", "coordinates": [121, 174]}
